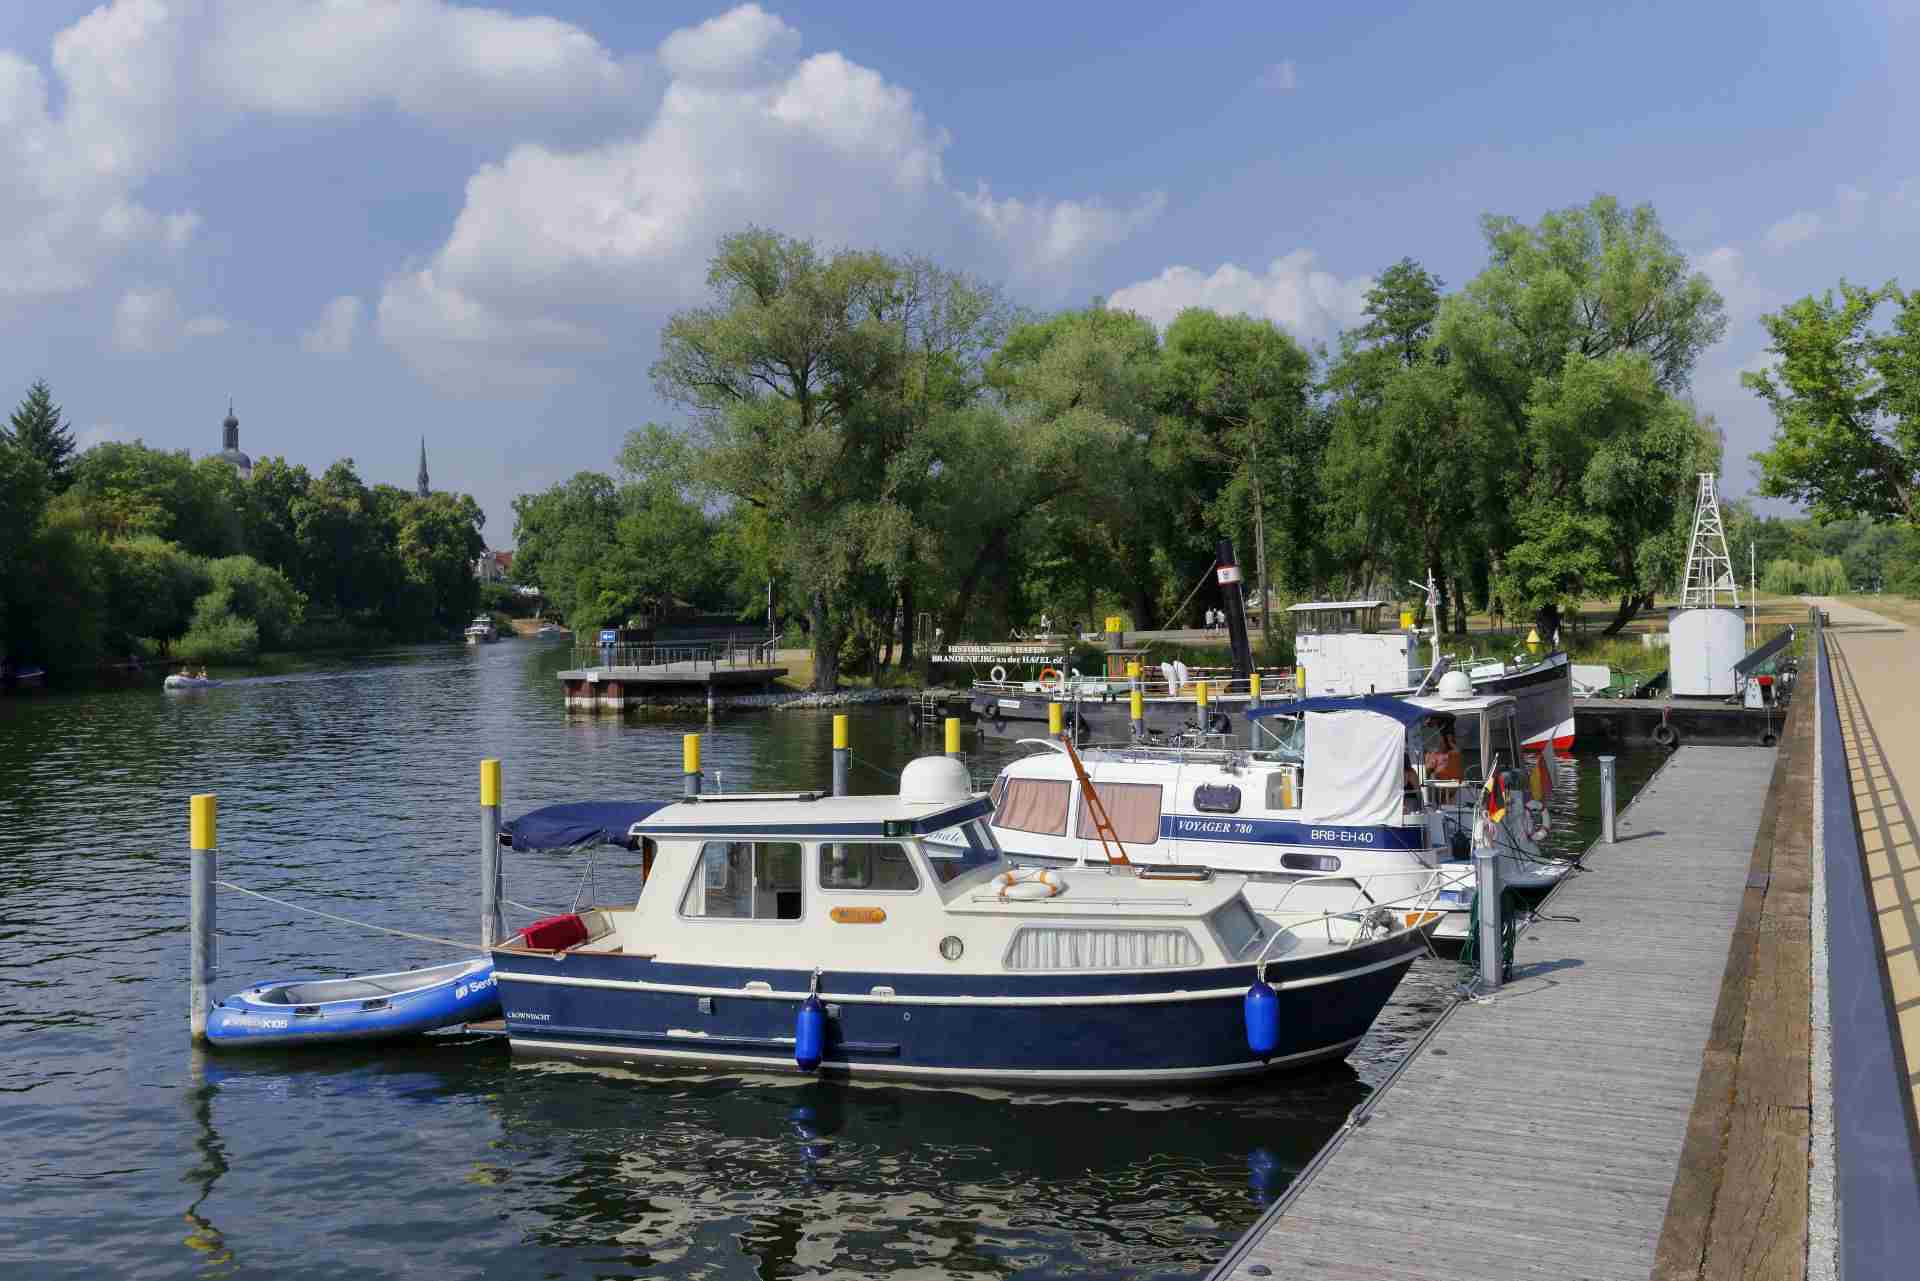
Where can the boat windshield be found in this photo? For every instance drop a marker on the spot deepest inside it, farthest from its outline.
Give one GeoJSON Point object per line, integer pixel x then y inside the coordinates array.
{"type": "Point", "coordinates": [955, 851]}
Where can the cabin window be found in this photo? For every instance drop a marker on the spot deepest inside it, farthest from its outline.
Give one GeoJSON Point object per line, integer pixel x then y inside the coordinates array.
{"type": "Point", "coordinates": [1239, 929]}
{"type": "Point", "coordinates": [1033, 805]}
{"type": "Point", "coordinates": [745, 881]}
{"type": "Point", "coordinates": [1283, 788]}
{"type": "Point", "coordinates": [1132, 808]}
{"type": "Point", "coordinates": [951, 860]}
{"type": "Point", "coordinates": [1064, 947]}
{"type": "Point", "coordinates": [1309, 862]}
{"type": "Point", "coordinates": [1216, 798]}
{"type": "Point", "coordinates": [881, 868]}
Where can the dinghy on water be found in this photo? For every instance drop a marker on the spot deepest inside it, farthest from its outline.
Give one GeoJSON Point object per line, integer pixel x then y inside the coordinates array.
{"type": "Point", "coordinates": [177, 681]}
{"type": "Point", "coordinates": [372, 1007]}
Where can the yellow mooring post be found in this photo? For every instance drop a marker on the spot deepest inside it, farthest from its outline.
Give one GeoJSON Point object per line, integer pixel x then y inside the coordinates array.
{"type": "Point", "coordinates": [1253, 701]}
{"type": "Point", "coordinates": [1200, 700]}
{"type": "Point", "coordinates": [690, 762]}
{"type": "Point", "coordinates": [841, 753]}
{"type": "Point", "coordinates": [953, 736]}
{"type": "Point", "coordinates": [1054, 719]}
{"type": "Point", "coordinates": [1300, 678]}
{"type": "Point", "coordinates": [493, 927]}
{"type": "Point", "coordinates": [203, 858]}
{"type": "Point", "coordinates": [1137, 712]}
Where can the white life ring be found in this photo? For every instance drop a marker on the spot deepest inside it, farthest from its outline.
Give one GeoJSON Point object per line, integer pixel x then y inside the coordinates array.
{"type": "Point", "coordinates": [1028, 883]}
{"type": "Point", "coordinates": [999, 675]}
{"type": "Point", "coordinates": [1059, 679]}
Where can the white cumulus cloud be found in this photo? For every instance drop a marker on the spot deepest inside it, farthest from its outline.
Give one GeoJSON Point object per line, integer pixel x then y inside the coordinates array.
{"type": "Point", "coordinates": [151, 320]}
{"type": "Point", "coordinates": [332, 334]}
{"type": "Point", "coordinates": [1309, 303]}
{"type": "Point", "coordinates": [139, 82]}
{"type": "Point", "coordinates": [747, 132]}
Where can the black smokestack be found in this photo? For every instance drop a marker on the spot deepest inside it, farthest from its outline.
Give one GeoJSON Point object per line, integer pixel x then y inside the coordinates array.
{"type": "Point", "coordinates": [1228, 572]}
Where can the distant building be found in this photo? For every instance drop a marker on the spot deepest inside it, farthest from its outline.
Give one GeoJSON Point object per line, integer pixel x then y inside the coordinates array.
{"type": "Point", "coordinates": [421, 487]}
{"type": "Point", "coordinates": [493, 567]}
{"type": "Point", "coordinates": [230, 446]}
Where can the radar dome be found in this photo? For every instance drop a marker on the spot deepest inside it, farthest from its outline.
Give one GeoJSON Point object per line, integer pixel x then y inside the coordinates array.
{"type": "Point", "coordinates": [1456, 685]}
{"type": "Point", "coordinates": [935, 780]}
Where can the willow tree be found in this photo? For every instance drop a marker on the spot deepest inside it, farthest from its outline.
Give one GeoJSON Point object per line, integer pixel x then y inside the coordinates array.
{"type": "Point", "coordinates": [1585, 289]}
{"type": "Point", "coordinates": [1235, 392]}
{"type": "Point", "coordinates": [815, 381]}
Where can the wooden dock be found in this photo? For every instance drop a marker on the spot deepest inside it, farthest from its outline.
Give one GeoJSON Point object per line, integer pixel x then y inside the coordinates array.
{"type": "Point", "coordinates": [617, 687]}
{"type": "Point", "coordinates": [1539, 1134]}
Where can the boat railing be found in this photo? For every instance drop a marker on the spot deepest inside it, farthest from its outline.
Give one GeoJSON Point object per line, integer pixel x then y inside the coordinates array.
{"type": "Point", "coordinates": [1413, 908]}
{"type": "Point", "coordinates": [1276, 685]}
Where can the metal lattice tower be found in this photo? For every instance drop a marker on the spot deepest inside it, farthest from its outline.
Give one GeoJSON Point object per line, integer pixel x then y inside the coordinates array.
{"type": "Point", "coordinates": [1709, 568]}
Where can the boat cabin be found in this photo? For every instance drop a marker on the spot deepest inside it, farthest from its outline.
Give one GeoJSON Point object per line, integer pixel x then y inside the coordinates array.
{"type": "Point", "coordinates": [1343, 649]}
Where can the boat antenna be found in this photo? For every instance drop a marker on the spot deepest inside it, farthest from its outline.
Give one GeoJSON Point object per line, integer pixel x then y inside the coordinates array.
{"type": "Point", "coordinates": [1432, 589]}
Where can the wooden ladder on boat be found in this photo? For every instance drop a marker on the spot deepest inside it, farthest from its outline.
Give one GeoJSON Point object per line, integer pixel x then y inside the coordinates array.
{"type": "Point", "coordinates": [1102, 826]}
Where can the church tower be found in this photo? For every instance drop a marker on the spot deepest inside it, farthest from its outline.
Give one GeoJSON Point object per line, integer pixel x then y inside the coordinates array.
{"type": "Point", "coordinates": [230, 446]}
{"type": "Point", "coordinates": [422, 488]}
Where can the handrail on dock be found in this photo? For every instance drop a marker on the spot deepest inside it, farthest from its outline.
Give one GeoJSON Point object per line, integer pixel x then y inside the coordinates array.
{"type": "Point", "coordinates": [733, 652]}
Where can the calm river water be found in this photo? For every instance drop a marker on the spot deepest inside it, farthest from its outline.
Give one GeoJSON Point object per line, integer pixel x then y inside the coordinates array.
{"type": "Point", "coordinates": [353, 787]}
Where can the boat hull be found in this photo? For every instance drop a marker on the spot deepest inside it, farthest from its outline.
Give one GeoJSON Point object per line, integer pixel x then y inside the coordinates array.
{"type": "Point", "coordinates": [250, 1019]}
{"type": "Point", "coordinates": [1138, 1029]}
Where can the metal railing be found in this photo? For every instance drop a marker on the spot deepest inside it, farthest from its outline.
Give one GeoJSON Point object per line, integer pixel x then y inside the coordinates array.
{"type": "Point", "coordinates": [733, 652]}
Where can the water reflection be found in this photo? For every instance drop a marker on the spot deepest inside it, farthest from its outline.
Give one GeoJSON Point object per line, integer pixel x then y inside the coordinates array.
{"type": "Point", "coordinates": [349, 785]}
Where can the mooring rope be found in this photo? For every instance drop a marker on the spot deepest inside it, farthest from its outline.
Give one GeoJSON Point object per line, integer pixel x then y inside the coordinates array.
{"type": "Point", "coordinates": [348, 920]}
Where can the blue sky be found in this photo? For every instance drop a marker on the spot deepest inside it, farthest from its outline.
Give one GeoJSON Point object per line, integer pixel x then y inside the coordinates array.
{"type": "Point", "coordinates": [373, 220]}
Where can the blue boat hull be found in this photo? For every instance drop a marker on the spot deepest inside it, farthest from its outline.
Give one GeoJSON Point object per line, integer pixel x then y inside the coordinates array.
{"type": "Point", "coordinates": [1066, 1030]}
{"type": "Point", "coordinates": [263, 1015]}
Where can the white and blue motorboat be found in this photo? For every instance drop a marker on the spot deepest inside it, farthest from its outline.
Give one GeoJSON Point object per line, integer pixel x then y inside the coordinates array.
{"type": "Point", "coordinates": [797, 932]}
{"type": "Point", "coordinates": [367, 1008]}
{"type": "Point", "coordinates": [181, 681]}
{"type": "Point", "coordinates": [1339, 798]}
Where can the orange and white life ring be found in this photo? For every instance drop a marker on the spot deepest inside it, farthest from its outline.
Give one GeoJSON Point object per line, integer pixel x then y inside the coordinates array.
{"type": "Point", "coordinates": [1028, 883]}
{"type": "Point", "coordinates": [1059, 679]}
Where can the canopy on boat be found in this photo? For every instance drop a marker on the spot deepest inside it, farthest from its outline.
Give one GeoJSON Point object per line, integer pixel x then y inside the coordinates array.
{"type": "Point", "coordinates": [1356, 756]}
{"type": "Point", "coordinates": [560, 827]}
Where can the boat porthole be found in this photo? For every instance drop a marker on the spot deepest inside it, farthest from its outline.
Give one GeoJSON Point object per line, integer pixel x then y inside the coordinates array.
{"type": "Point", "coordinates": [907, 1017]}
{"type": "Point", "coordinates": [951, 947]}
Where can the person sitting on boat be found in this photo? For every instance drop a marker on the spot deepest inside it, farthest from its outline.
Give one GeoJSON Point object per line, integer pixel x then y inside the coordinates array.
{"type": "Point", "coordinates": [1443, 759]}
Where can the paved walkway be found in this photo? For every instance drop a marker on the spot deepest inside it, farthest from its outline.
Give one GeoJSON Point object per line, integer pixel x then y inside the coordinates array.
{"type": "Point", "coordinates": [1877, 683]}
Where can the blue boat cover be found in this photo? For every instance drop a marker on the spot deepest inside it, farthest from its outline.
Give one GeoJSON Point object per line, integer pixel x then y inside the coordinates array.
{"type": "Point", "coordinates": [560, 827]}
{"type": "Point", "coordinates": [1399, 709]}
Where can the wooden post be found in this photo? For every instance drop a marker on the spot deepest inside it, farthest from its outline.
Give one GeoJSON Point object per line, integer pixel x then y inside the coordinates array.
{"type": "Point", "coordinates": [953, 735]}
{"type": "Point", "coordinates": [841, 754]}
{"type": "Point", "coordinates": [690, 762]}
{"type": "Point", "coordinates": [203, 859]}
{"type": "Point", "coordinates": [492, 926]}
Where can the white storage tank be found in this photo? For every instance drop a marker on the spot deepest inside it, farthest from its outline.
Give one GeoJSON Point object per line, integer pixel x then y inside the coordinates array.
{"type": "Point", "coordinates": [1703, 646]}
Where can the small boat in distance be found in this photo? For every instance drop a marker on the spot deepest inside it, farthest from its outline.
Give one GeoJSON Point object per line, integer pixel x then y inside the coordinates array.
{"type": "Point", "coordinates": [183, 681]}
{"type": "Point", "coordinates": [481, 630]}
{"type": "Point", "coordinates": [800, 932]}
{"type": "Point", "coordinates": [372, 1007]}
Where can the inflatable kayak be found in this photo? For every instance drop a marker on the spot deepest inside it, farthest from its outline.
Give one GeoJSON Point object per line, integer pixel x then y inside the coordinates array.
{"type": "Point", "coordinates": [177, 681]}
{"type": "Point", "coordinates": [320, 1011]}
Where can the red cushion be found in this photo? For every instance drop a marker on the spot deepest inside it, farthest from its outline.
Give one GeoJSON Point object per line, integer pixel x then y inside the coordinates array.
{"type": "Point", "coordinates": [552, 933]}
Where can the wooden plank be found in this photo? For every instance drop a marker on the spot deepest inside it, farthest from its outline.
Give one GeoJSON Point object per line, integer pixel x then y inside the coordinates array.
{"type": "Point", "coordinates": [1538, 1134]}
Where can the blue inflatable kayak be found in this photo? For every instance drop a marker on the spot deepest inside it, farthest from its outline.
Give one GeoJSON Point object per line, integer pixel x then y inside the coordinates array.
{"type": "Point", "coordinates": [321, 1011]}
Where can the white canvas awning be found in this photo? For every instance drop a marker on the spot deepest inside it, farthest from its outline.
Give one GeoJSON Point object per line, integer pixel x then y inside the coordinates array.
{"type": "Point", "coordinates": [1355, 763]}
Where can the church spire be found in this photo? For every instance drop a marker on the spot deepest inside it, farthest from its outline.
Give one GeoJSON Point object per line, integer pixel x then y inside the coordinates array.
{"type": "Point", "coordinates": [423, 489]}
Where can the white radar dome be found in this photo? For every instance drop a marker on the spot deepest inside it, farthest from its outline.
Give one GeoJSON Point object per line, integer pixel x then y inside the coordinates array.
{"type": "Point", "coordinates": [1456, 685]}
{"type": "Point", "coordinates": [935, 780]}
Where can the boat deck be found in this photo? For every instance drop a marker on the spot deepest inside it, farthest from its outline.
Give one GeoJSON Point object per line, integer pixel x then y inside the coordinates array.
{"type": "Point", "coordinates": [1538, 1134]}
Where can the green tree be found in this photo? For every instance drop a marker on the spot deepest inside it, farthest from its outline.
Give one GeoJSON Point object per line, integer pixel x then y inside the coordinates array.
{"type": "Point", "coordinates": [559, 534]}
{"type": "Point", "coordinates": [23, 502]}
{"type": "Point", "coordinates": [36, 427]}
{"type": "Point", "coordinates": [346, 559]}
{"type": "Point", "coordinates": [258, 594]}
{"type": "Point", "coordinates": [269, 529]}
{"type": "Point", "coordinates": [1846, 405]}
{"type": "Point", "coordinates": [1590, 289]}
{"type": "Point", "coordinates": [794, 376]}
{"type": "Point", "coordinates": [151, 586]}
{"type": "Point", "coordinates": [1235, 393]}
{"type": "Point", "coordinates": [437, 543]}
{"type": "Point", "coordinates": [126, 489]}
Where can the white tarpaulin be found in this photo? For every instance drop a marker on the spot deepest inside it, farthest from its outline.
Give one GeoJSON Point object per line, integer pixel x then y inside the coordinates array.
{"type": "Point", "coordinates": [1355, 763]}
